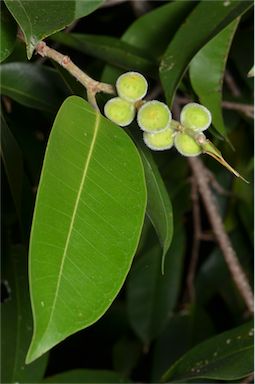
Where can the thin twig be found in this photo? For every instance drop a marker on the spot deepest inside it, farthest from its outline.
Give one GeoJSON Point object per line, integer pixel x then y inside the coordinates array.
{"type": "Point", "coordinates": [154, 93]}
{"type": "Point", "coordinates": [196, 239]}
{"type": "Point", "coordinates": [216, 185]}
{"type": "Point", "coordinates": [238, 275]}
{"type": "Point", "coordinates": [111, 3]}
{"type": "Point", "coordinates": [231, 84]}
{"type": "Point", "coordinates": [92, 86]}
{"type": "Point", "coordinates": [249, 379]}
{"type": "Point", "coordinates": [247, 109]}
{"type": "Point", "coordinates": [205, 236]}
{"type": "Point", "coordinates": [140, 7]}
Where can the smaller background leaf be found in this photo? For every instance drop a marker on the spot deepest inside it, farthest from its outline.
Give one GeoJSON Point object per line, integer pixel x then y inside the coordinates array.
{"type": "Point", "coordinates": [85, 376]}
{"type": "Point", "coordinates": [111, 50]}
{"type": "Point", "coordinates": [13, 163]}
{"type": "Point", "coordinates": [207, 72]}
{"type": "Point", "coordinates": [8, 31]}
{"type": "Point", "coordinates": [183, 331]}
{"type": "Point", "coordinates": [209, 18]}
{"type": "Point", "coordinates": [32, 85]}
{"type": "Point", "coordinates": [227, 356]}
{"type": "Point", "coordinates": [40, 19]}
{"type": "Point", "coordinates": [152, 296]}
{"type": "Point", "coordinates": [152, 31]}
{"type": "Point", "coordinates": [159, 207]}
{"type": "Point", "coordinates": [18, 181]}
{"type": "Point", "coordinates": [16, 323]}
{"type": "Point", "coordinates": [126, 353]}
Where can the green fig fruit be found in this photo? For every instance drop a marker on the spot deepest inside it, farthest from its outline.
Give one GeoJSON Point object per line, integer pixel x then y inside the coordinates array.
{"type": "Point", "coordinates": [131, 86]}
{"type": "Point", "coordinates": [120, 111]}
{"type": "Point", "coordinates": [196, 117]}
{"type": "Point", "coordinates": [186, 145]}
{"type": "Point", "coordinates": [159, 141]}
{"type": "Point", "coordinates": [154, 116]}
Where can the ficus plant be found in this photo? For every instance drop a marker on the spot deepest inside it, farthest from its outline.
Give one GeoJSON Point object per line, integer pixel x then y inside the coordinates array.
{"type": "Point", "coordinates": [109, 201]}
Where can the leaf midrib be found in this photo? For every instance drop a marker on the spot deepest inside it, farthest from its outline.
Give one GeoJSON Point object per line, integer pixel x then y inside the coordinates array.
{"type": "Point", "coordinates": [86, 166]}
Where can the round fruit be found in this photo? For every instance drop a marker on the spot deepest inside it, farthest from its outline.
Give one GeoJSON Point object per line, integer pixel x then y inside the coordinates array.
{"type": "Point", "coordinates": [119, 111]}
{"type": "Point", "coordinates": [132, 86]}
{"type": "Point", "coordinates": [159, 141]}
{"type": "Point", "coordinates": [154, 116]}
{"type": "Point", "coordinates": [186, 145]}
{"type": "Point", "coordinates": [195, 116]}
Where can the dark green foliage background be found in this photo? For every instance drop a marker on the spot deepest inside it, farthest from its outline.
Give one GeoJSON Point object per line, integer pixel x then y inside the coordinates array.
{"type": "Point", "coordinates": [152, 322]}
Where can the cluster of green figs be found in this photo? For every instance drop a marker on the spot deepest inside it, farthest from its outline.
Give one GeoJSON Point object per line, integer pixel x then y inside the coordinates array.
{"type": "Point", "coordinates": [160, 131]}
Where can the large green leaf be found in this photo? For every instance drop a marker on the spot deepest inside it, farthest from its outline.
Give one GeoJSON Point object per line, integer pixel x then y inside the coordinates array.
{"type": "Point", "coordinates": [204, 22]}
{"type": "Point", "coordinates": [16, 323]}
{"type": "Point", "coordinates": [32, 85]}
{"type": "Point", "coordinates": [8, 31]}
{"type": "Point", "coordinates": [39, 19]}
{"type": "Point", "coordinates": [151, 295]}
{"type": "Point", "coordinates": [110, 49]}
{"type": "Point", "coordinates": [227, 356]}
{"type": "Point", "coordinates": [207, 72]}
{"type": "Point", "coordinates": [159, 207]}
{"type": "Point", "coordinates": [85, 376]}
{"type": "Point", "coordinates": [88, 217]}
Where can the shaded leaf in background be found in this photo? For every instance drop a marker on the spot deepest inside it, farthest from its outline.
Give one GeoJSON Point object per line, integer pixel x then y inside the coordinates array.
{"type": "Point", "coordinates": [73, 86]}
{"type": "Point", "coordinates": [18, 53]}
{"type": "Point", "coordinates": [20, 187]}
{"type": "Point", "coordinates": [214, 277]}
{"type": "Point", "coordinates": [152, 31]}
{"type": "Point", "coordinates": [159, 207]}
{"type": "Point", "coordinates": [40, 19]}
{"type": "Point", "coordinates": [16, 323]}
{"type": "Point", "coordinates": [151, 296]}
{"type": "Point", "coordinates": [109, 49]}
{"type": "Point", "coordinates": [207, 73]}
{"type": "Point", "coordinates": [8, 31]}
{"type": "Point", "coordinates": [227, 356]}
{"type": "Point", "coordinates": [32, 85]}
{"type": "Point", "coordinates": [243, 58]}
{"type": "Point", "coordinates": [183, 330]}
{"type": "Point", "coordinates": [126, 354]}
{"type": "Point", "coordinates": [13, 163]}
{"type": "Point", "coordinates": [209, 17]}
{"type": "Point", "coordinates": [85, 376]}
{"type": "Point", "coordinates": [87, 222]}
{"type": "Point", "coordinates": [246, 200]}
